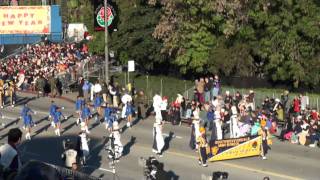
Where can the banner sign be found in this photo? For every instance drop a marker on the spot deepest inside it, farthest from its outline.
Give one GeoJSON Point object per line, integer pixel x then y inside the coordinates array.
{"type": "Point", "coordinates": [131, 66]}
{"type": "Point", "coordinates": [235, 148]}
{"type": "Point", "coordinates": [99, 16]}
{"type": "Point", "coordinates": [25, 19]}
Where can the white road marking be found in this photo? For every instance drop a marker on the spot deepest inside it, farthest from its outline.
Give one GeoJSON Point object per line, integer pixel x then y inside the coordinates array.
{"type": "Point", "coordinates": [174, 136]}
{"type": "Point", "coordinates": [10, 117]}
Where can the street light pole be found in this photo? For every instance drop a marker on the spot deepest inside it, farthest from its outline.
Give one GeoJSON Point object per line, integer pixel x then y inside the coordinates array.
{"type": "Point", "coordinates": [106, 50]}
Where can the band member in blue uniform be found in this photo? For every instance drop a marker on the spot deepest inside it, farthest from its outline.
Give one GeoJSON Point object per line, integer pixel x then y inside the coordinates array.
{"type": "Point", "coordinates": [85, 117]}
{"type": "Point", "coordinates": [108, 116]}
{"type": "Point", "coordinates": [52, 111]}
{"type": "Point", "coordinates": [27, 120]}
{"type": "Point", "coordinates": [79, 106]}
{"type": "Point", "coordinates": [56, 120]}
{"type": "Point", "coordinates": [97, 106]}
{"type": "Point", "coordinates": [129, 113]}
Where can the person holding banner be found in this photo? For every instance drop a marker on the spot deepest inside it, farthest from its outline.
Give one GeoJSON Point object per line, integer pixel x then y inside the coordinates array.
{"type": "Point", "coordinates": [265, 140]}
{"type": "Point", "coordinates": [202, 143]}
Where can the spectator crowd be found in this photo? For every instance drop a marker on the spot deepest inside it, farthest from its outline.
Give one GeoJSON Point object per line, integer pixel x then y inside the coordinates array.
{"type": "Point", "coordinates": [45, 67]}
{"type": "Point", "coordinates": [237, 115]}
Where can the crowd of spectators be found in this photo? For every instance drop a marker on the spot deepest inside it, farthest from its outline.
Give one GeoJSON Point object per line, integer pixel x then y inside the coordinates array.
{"type": "Point", "coordinates": [237, 115]}
{"type": "Point", "coordinates": [34, 68]}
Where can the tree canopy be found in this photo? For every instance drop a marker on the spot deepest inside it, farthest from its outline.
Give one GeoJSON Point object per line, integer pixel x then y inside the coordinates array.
{"type": "Point", "coordinates": [275, 39]}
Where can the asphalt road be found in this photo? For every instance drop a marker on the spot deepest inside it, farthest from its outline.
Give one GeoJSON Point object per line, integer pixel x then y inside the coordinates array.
{"type": "Point", "coordinates": [285, 161]}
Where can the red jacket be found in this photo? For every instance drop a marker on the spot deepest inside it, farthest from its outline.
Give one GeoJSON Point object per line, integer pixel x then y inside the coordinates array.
{"type": "Point", "coordinates": [296, 105]}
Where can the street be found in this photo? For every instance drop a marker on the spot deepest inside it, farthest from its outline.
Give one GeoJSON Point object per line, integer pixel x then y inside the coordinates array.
{"type": "Point", "coordinates": [285, 160]}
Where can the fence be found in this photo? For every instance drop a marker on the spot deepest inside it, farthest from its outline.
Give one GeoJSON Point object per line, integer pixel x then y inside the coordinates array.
{"type": "Point", "coordinates": [74, 174]}
{"type": "Point", "coordinates": [261, 95]}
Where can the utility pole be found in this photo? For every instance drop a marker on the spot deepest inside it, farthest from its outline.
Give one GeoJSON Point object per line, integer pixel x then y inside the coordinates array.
{"type": "Point", "coordinates": [106, 50]}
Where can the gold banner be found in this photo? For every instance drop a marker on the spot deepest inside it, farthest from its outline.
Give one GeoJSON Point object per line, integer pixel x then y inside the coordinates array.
{"type": "Point", "coordinates": [252, 147]}
{"type": "Point", "coordinates": [24, 19]}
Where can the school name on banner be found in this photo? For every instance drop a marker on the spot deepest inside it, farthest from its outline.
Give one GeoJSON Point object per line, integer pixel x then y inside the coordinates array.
{"type": "Point", "coordinates": [235, 148]}
{"type": "Point", "coordinates": [231, 142]}
{"type": "Point", "coordinates": [24, 19]}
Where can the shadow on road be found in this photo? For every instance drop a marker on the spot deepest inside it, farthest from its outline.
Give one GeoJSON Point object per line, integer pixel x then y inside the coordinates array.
{"type": "Point", "coordinates": [49, 150]}
{"type": "Point", "coordinates": [10, 124]}
{"type": "Point", "coordinates": [126, 148]}
{"type": "Point", "coordinates": [167, 141]}
{"type": "Point", "coordinates": [68, 127]}
{"type": "Point", "coordinates": [172, 176]}
{"type": "Point", "coordinates": [24, 100]}
{"type": "Point", "coordinates": [136, 121]}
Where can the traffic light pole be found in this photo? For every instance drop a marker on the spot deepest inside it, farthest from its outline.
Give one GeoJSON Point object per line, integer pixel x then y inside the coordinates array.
{"type": "Point", "coordinates": [106, 50]}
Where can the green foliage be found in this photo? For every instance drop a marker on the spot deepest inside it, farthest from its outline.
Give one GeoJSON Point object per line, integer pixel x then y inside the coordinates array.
{"type": "Point", "coordinates": [278, 39]}
{"type": "Point", "coordinates": [133, 39]}
{"type": "Point", "coordinates": [275, 39]}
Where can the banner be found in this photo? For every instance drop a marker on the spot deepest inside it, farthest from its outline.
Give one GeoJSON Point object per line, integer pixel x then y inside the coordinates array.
{"type": "Point", "coordinates": [99, 18]}
{"type": "Point", "coordinates": [235, 148]}
{"type": "Point", "coordinates": [24, 19]}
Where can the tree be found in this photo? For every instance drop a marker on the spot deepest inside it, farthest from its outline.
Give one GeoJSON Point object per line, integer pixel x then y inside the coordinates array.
{"type": "Point", "coordinates": [288, 39]}
{"type": "Point", "coordinates": [133, 39]}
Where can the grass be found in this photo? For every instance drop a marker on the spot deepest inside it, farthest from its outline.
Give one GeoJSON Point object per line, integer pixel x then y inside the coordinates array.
{"type": "Point", "coordinates": [171, 86]}
{"type": "Point", "coordinates": [152, 84]}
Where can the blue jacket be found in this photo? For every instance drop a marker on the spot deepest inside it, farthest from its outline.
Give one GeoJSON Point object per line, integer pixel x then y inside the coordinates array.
{"type": "Point", "coordinates": [107, 113]}
{"type": "Point", "coordinates": [129, 109]}
{"type": "Point", "coordinates": [97, 101]}
{"type": "Point", "coordinates": [57, 115]}
{"type": "Point", "coordinates": [79, 104]}
{"type": "Point", "coordinates": [86, 86]}
{"type": "Point", "coordinates": [25, 111]}
{"type": "Point", "coordinates": [210, 116]}
{"type": "Point", "coordinates": [85, 113]}
{"type": "Point", "coordinates": [52, 109]}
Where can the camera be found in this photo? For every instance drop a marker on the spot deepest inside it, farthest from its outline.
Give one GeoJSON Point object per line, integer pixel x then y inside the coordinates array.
{"type": "Point", "coordinates": [152, 168]}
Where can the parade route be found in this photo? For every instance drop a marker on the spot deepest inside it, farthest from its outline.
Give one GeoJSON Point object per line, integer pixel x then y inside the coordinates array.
{"type": "Point", "coordinates": [285, 161]}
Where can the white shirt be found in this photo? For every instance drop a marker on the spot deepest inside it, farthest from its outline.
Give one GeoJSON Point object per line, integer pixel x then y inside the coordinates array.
{"type": "Point", "coordinates": [97, 88]}
{"type": "Point", "coordinates": [163, 105]}
{"type": "Point", "coordinates": [157, 101]}
{"type": "Point", "coordinates": [126, 98]}
{"type": "Point", "coordinates": [71, 157]}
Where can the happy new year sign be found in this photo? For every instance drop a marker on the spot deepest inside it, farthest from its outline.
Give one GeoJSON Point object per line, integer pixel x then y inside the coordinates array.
{"type": "Point", "coordinates": [24, 19]}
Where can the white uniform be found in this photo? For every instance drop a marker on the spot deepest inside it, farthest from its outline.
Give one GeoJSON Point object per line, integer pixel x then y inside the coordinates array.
{"type": "Point", "coordinates": [234, 128]}
{"type": "Point", "coordinates": [217, 121]}
{"type": "Point", "coordinates": [125, 99]}
{"type": "Point", "coordinates": [158, 141]}
{"type": "Point", "coordinates": [84, 145]}
{"type": "Point", "coordinates": [157, 100]}
{"type": "Point", "coordinates": [117, 144]}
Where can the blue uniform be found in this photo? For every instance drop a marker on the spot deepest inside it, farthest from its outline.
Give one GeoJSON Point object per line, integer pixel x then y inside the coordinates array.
{"type": "Point", "coordinates": [108, 116]}
{"type": "Point", "coordinates": [25, 114]}
{"type": "Point", "coordinates": [107, 113]}
{"type": "Point", "coordinates": [52, 109]}
{"type": "Point", "coordinates": [97, 101]}
{"type": "Point", "coordinates": [79, 104]}
{"type": "Point", "coordinates": [85, 113]}
{"type": "Point", "coordinates": [129, 110]}
{"type": "Point", "coordinates": [57, 116]}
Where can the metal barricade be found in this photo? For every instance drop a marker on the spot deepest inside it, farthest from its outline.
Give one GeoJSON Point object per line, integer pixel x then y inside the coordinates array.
{"type": "Point", "coordinates": [73, 174]}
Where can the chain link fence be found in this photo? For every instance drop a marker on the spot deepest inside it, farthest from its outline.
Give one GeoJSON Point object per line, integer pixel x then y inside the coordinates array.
{"type": "Point", "coordinates": [260, 96]}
